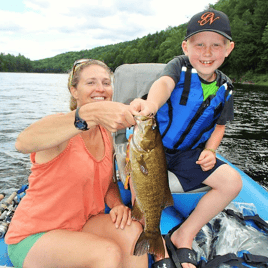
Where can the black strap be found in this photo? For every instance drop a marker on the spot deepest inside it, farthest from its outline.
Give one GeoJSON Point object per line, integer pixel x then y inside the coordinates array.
{"type": "Point", "coordinates": [255, 218]}
{"type": "Point", "coordinates": [164, 263]}
{"type": "Point", "coordinates": [255, 259]}
{"type": "Point", "coordinates": [186, 89]}
{"type": "Point", "coordinates": [237, 215]}
{"type": "Point", "coordinates": [258, 221]}
{"type": "Point", "coordinates": [170, 116]}
{"type": "Point", "coordinates": [218, 260]}
{"type": "Point", "coordinates": [233, 260]}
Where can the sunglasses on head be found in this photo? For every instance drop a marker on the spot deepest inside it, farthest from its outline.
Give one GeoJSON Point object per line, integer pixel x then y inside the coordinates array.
{"type": "Point", "coordinates": [78, 62]}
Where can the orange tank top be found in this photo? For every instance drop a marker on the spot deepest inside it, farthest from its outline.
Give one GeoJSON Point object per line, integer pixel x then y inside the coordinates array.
{"type": "Point", "coordinates": [64, 192]}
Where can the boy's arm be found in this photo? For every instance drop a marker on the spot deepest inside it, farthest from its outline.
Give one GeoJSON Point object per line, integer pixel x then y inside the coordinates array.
{"type": "Point", "coordinates": [159, 93]}
{"type": "Point", "coordinates": [207, 158]}
{"type": "Point", "coordinates": [215, 138]}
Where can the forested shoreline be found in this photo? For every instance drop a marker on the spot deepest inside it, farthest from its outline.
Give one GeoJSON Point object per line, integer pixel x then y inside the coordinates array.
{"type": "Point", "coordinates": [248, 61]}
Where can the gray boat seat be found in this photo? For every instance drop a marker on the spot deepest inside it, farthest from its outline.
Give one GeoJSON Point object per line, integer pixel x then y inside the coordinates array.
{"type": "Point", "coordinates": [134, 81]}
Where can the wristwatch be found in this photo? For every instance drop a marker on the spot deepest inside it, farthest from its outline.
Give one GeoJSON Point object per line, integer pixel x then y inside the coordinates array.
{"type": "Point", "coordinates": [79, 122]}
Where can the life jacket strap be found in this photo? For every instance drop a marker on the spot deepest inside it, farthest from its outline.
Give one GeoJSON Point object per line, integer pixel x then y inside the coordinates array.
{"type": "Point", "coordinates": [186, 89]}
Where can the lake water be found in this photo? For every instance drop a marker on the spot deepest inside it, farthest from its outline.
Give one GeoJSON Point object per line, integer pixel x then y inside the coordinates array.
{"type": "Point", "coordinates": [25, 98]}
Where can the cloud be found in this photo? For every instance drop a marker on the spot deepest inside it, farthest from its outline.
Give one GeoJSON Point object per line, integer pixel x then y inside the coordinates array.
{"type": "Point", "coordinates": [45, 28]}
{"type": "Point", "coordinates": [135, 6]}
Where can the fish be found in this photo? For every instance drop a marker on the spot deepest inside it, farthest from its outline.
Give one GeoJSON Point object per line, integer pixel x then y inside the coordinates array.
{"type": "Point", "coordinates": [147, 169]}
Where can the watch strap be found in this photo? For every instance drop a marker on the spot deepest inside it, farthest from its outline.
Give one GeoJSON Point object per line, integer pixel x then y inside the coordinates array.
{"type": "Point", "coordinates": [79, 122]}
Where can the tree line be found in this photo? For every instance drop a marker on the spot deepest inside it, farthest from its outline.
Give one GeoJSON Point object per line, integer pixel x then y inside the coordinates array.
{"type": "Point", "coordinates": [249, 24]}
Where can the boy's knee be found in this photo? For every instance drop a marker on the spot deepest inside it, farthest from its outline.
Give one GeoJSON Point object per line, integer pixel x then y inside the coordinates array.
{"type": "Point", "coordinates": [239, 183]}
{"type": "Point", "coordinates": [234, 181]}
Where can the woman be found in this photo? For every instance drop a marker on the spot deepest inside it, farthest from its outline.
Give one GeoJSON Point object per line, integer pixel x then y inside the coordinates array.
{"type": "Point", "coordinates": [61, 221]}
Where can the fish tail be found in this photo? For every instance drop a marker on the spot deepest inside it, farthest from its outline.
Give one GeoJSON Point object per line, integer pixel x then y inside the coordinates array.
{"type": "Point", "coordinates": [148, 243]}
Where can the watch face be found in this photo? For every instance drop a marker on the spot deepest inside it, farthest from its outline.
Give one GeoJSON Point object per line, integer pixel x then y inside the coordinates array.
{"type": "Point", "coordinates": [79, 122]}
{"type": "Point", "coordinates": [80, 125]}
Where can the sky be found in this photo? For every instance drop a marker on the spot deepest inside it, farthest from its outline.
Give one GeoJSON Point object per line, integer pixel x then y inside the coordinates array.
{"type": "Point", "coordinates": [39, 29]}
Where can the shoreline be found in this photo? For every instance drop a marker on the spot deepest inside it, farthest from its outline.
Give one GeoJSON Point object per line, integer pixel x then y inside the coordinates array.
{"type": "Point", "coordinates": [260, 86]}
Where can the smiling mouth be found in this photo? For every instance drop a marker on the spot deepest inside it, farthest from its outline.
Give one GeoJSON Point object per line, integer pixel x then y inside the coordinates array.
{"type": "Point", "coordinates": [98, 98]}
{"type": "Point", "coordinates": [206, 62]}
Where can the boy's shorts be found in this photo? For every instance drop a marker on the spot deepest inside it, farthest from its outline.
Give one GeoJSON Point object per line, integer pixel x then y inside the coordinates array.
{"type": "Point", "coordinates": [18, 252]}
{"type": "Point", "coordinates": [183, 165]}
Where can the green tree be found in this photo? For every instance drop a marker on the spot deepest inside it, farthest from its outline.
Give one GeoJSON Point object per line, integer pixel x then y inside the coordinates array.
{"type": "Point", "coordinates": [172, 45]}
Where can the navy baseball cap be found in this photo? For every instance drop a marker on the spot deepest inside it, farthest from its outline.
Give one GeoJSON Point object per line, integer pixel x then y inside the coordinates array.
{"type": "Point", "coordinates": [210, 20]}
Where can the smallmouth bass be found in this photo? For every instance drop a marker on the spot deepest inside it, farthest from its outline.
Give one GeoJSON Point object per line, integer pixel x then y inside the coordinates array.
{"type": "Point", "coordinates": [147, 169]}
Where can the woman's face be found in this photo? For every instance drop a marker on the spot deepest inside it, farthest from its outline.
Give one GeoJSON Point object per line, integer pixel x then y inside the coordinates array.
{"type": "Point", "coordinates": [94, 85]}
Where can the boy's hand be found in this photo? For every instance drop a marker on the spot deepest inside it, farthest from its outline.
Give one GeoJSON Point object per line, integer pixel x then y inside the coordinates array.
{"type": "Point", "coordinates": [143, 107]}
{"type": "Point", "coordinates": [206, 160]}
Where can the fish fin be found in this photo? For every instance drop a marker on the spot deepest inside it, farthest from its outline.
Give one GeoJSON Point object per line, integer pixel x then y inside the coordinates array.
{"type": "Point", "coordinates": [143, 166]}
{"type": "Point", "coordinates": [127, 174]}
{"type": "Point", "coordinates": [126, 184]}
{"type": "Point", "coordinates": [148, 243]}
{"type": "Point", "coordinates": [136, 211]}
{"type": "Point", "coordinates": [128, 163]}
{"type": "Point", "coordinates": [128, 168]}
{"type": "Point", "coordinates": [169, 198]}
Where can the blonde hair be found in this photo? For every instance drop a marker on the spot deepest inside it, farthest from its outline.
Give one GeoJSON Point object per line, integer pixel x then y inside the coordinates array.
{"type": "Point", "coordinates": [74, 76]}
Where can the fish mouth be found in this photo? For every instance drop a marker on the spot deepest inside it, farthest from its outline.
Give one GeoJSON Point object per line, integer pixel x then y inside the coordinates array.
{"type": "Point", "coordinates": [140, 118]}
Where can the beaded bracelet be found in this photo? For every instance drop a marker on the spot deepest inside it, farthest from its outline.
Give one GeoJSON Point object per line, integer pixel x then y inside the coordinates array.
{"type": "Point", "coordinates": [213, 151]}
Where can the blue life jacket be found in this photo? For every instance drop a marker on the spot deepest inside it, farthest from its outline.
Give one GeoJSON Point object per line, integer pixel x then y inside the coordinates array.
{"type": "Point", "coordinates": [186, 120]}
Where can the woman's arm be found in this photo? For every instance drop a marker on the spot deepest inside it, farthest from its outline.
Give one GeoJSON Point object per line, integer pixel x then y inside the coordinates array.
{"type": "Point", "coordinates": [55, 130]}
{"type": "Point", "coordinates": [120, 214]}
{"type": "Point", "coordinates": [46, 133]}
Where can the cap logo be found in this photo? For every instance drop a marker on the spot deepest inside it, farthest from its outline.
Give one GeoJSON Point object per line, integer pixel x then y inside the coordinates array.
{"type": "Point", "coordinates": [208, 17]}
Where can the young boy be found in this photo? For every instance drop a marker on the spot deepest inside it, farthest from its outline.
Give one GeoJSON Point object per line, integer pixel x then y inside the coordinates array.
{"type": "Point", "coordinates": [192, 101]}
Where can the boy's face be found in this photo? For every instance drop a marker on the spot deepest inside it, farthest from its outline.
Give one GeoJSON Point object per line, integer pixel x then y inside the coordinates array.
{"type": "Point", "coordinates": [206, 52]}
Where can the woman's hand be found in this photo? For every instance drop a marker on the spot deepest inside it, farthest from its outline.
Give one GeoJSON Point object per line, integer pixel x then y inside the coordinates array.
{"type": "Point", "coordinates": [206, 160]}
{"type": "Point", "coordinates": [121, 216]}
{"type": "Point", "coordinates": [111, 115]}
